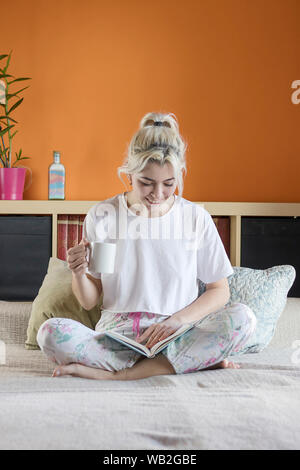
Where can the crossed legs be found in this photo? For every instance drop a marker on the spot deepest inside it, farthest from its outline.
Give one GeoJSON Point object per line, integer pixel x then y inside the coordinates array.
{"type": "Point", "coordinates": [80, 352]}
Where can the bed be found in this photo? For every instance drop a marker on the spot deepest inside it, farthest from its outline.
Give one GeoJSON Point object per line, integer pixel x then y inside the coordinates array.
{"type": "Point", "coordinates": [254, 407]}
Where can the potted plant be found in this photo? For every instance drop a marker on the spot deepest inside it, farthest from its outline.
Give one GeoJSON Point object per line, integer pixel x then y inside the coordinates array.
{"type": "Point", "coordinates": [12, 177]}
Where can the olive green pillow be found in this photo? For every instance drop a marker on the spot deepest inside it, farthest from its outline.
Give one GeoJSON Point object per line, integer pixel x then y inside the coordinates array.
{"type": "Point", "coordinates": [56, 299]}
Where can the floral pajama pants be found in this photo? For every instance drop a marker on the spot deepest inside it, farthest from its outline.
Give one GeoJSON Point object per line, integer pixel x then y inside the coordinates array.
{"type": "Point", "coordinates": [209, 342]}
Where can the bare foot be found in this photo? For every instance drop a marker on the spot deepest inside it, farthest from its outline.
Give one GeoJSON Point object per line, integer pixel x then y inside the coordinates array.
{"type": "Point", "coordinates": [79, 370]}
{"type": "Point", "coordinates": [224, 365]}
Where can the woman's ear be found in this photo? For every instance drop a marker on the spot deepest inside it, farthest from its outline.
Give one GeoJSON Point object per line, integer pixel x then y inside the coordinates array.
{"type": "Point", "coordinates": [130, 180]}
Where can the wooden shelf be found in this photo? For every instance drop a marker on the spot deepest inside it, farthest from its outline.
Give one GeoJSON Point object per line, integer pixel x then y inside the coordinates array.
{"type": "Point", "coordinates": [234, 210]}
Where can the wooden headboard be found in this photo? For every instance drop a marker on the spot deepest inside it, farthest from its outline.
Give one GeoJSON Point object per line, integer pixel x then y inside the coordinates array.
{"type": "Point", "coordinates": [234, 210]}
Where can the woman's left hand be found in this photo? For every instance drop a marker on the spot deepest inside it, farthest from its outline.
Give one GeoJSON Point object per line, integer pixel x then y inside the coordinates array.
{"type": "Point", "coordinates": [159, 331]}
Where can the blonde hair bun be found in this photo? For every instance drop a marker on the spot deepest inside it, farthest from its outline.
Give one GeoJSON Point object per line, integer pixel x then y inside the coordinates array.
{"type": "Point", "coordinates": [157, 140]}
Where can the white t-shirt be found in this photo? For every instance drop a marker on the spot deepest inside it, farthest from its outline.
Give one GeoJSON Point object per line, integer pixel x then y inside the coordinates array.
{"type": "Point", "coordinates": [159, 260]}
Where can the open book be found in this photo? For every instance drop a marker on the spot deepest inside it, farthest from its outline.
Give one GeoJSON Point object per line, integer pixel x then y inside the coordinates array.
{"type": "Point", "coordinates": [141, 348]}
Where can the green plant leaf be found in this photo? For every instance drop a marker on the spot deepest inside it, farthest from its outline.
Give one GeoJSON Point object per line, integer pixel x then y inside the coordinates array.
{"type": "Point", "coordinates": [3, 163]}
{"type": "Point", "coordinates": [18, 159]}
{"type": "Point", "coordinates": [14, 106]}
{"type": "Point", "coordinates": [8, 61]}
{"type": "Point", "coordinates": [3, 152]}
{"type": "Point", "coordinates": [15, 94]}
{"type": "Point", "coordinates": [3, 155]}
{"type": "Point", "coordinates": [14, 134]}
{"type": "Point", "coordinates": [3, 56]}
{"type": "Point", "coordinates": [6, 130]}
{"type": "Point", "coordinates": [6, 148]}
{"type": "Point", "coordinates": [18, 80]}
{"type": "Point", "coordinates": [5, 75]}
{"type": "Point", "coordinates": [11, 119]}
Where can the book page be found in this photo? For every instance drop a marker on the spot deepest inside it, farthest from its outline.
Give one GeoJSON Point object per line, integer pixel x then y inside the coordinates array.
{"type": "Point", "coordinates": [125, 340]}
{"type": "Point", "coordinates": [170, 338]}
{"type": "Point", "coordinates": [141, 347]}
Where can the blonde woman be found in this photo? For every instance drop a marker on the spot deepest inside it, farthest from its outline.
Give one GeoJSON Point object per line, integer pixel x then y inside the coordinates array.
{"type": "Point", "coordinates": [165, 246]}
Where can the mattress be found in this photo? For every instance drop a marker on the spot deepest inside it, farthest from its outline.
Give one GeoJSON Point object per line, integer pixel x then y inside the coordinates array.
{"type": "Point", "coordinates": [254, 407]}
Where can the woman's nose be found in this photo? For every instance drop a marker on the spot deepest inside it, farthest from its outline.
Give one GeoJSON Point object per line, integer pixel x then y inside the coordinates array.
{"type": "Point", "coordinates": [158, 194]}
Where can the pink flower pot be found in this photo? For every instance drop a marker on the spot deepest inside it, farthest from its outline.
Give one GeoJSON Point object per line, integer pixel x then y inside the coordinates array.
{"type": "Point", "coordinates": [12, 183]}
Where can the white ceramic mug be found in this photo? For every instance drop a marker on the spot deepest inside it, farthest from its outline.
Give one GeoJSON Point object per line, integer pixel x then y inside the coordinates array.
{"type": "Point", "coordinates": [101, 258]}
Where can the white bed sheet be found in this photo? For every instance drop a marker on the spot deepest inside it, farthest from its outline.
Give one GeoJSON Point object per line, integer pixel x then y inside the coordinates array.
{"type": "Point", "coordinates": [254, 407]}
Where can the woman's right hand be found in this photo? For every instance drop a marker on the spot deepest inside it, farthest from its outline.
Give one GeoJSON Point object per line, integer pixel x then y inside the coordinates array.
{"type": "Point", "coordinates": [76, 257]}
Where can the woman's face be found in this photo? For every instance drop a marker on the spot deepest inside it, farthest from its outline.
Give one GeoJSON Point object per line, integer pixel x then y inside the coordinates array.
{"type": "Point", "coordinates": [155, 185]}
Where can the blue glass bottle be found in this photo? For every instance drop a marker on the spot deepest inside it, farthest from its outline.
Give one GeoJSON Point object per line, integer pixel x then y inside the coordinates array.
{"type": "Point", "coordinates": [57, 178]}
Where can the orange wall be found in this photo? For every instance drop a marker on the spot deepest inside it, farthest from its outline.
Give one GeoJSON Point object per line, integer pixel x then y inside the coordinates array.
{"type": "Point", "coordinates": [225, 68]}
